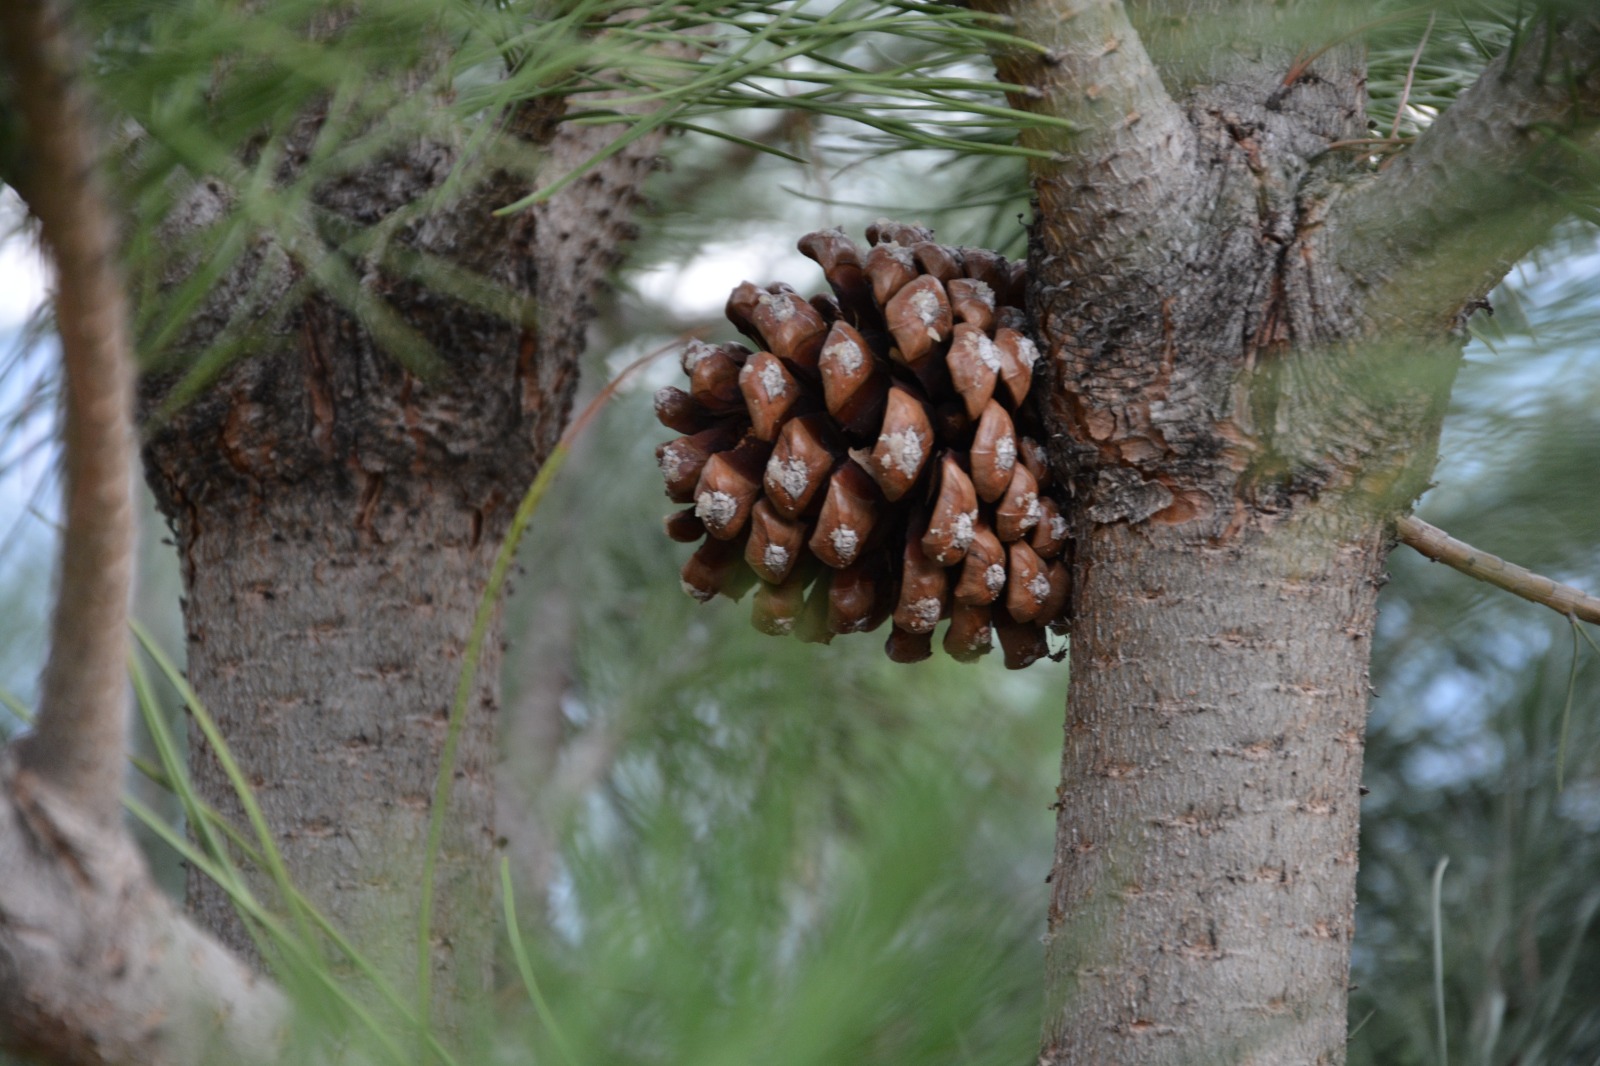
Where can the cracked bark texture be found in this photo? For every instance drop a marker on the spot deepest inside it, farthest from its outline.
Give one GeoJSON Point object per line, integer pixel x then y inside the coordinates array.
{"type": "Point", "coordinates": [336, 517]}
{"type": "Point", "coordinates": [1250, 347]}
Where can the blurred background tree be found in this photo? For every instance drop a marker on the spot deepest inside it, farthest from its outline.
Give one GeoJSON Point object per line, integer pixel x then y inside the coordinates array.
{"type": "Point", "coordinates": [745, 848]}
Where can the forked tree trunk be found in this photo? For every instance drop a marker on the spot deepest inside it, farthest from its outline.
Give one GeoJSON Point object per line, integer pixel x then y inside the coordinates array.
{"type": "Point", "coordinates": [336, 517]}
{"type": "Point", "coordinates": [1203, 887]}
{"type": "Point", "coordinates": [1251, 337]}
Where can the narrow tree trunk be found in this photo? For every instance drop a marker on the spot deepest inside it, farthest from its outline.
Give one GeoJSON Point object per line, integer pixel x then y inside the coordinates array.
{"type": "Point", "coordinates": [1204, 881]}
{"type": "Point", "coordinates": [96, 966]}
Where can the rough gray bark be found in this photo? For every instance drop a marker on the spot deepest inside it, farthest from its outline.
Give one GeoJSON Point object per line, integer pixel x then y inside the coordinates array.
{"type": "Point", "coordinates": [326, 641]}
{"type": "Point", "coordinates": [95, 964]}
{"type": "Point", "coordinates": [336, 517]}
{"type": "Point", "coordinates": [1203, 897]}
{"type": "Point", "coordinates": [1247, 373]}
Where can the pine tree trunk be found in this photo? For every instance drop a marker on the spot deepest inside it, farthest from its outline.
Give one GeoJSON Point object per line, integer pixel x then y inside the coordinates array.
{"type": "Point", "coordinates": [336, 516]}
{"type": "Point", "coordinates": [1244, 387]}
{"type": "Point", "coordinates": [362, 602]}
{"type": "Point", "coordinates": [1204, 882]}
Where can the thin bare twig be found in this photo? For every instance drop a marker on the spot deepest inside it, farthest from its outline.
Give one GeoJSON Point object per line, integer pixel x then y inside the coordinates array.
{"type": "Point", "coordinates": [1411, 73]}
{"type": "Point", "coordinates": [1371, 145]}
{"type": "Point", "coordinates": [1441, 547]}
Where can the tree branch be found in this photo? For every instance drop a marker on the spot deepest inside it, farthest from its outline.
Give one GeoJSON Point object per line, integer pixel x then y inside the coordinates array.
{"type": "Point", "coordinates": [1436, 230]}
{"type": "Point", "coordinates": [96, 966]}
{"type": "Point", "coordinates": [1441, 547]}
{"type": "Point", "coordinates": [78, 743]}
{"type": "Point", "coordinates": [1108, 201]}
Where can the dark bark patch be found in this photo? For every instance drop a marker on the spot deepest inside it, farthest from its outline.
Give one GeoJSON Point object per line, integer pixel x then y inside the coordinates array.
{"type": "Point", "coordinates": [319, 390]}
{"type": "Point", "coordinates": [1121, 495]}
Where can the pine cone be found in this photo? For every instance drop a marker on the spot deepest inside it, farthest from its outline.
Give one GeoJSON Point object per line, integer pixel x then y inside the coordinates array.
{"type": "Point", "coordinates": [865, 463]}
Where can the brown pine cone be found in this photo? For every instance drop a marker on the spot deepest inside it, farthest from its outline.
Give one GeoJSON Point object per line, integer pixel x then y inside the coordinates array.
{"type": "Point", "coordinates": [870, 461]}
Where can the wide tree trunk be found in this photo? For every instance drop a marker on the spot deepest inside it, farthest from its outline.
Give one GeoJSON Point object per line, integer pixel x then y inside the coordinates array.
{"type": "Point", "coordinates": [364, 601]}
{"type": "Point", "coordinates": [1203, 891]}
{"type": "Point", "coordinates": [336, 516]}
{"type": "Point", "coordinates": [1251, 335]}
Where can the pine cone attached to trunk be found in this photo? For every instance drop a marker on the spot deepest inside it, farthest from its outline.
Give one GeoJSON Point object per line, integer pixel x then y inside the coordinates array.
{"type": "Point", "coordinates": [867, 463]}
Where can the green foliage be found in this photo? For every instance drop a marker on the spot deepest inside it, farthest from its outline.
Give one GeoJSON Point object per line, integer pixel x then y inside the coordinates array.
{"type": "Point", "coordinates": [1465, 753]}
{"type": "Point", "coordinates": [795, 854]}
{"type": "Point", "coordinates": [270, 107]}
{"type": "Point", "coordinates": [1427, 54]}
